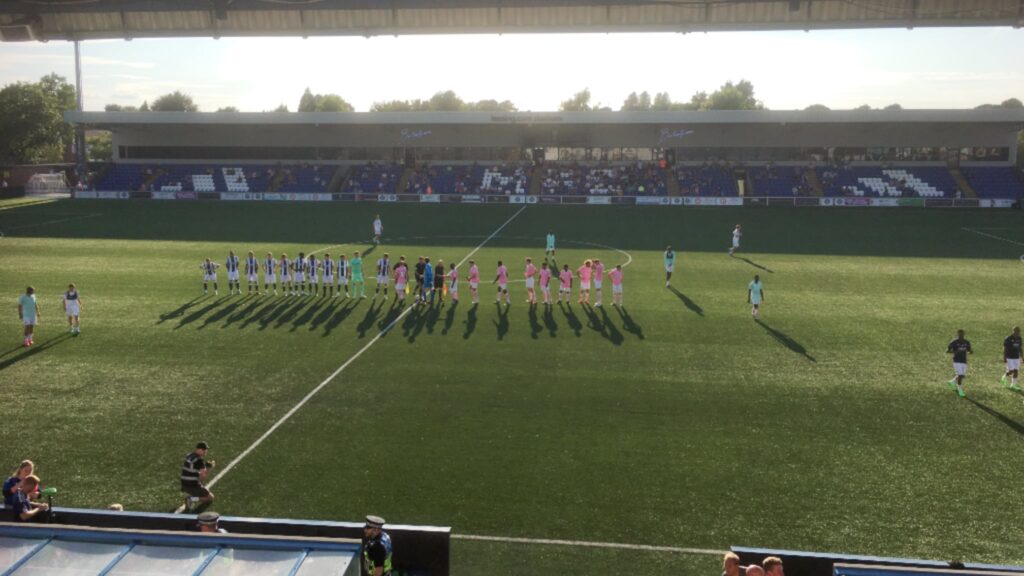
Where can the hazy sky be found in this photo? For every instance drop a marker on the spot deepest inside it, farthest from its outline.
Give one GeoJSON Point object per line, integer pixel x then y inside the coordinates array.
{"type": "Point", "coordinates": [922, 68]}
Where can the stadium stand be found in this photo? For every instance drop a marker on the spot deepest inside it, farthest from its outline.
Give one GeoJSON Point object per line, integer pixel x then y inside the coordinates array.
{"type": "Point", "coordinates": [374, 178]}
{"type": "Point", "coordinates": [873, 181]}
{"type": "Point", "coordinates": [998, 182]}
{"type": "Point", "coordinates": [779, 181]}
{"type": "Point", "coordinates": [706, 180]}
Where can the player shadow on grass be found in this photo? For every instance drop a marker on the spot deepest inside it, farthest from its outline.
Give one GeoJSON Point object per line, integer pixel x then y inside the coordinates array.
{"type": "Point", "coordinates": [180, 310]}
{"type": "Point", "coordinates": [244, 312]}
{"type": "Point", "coordinates": [275, 312]}
{"type": "Point", "coordinates": [289, 313]}
{"type": "Point", "coordinates": [571, 318]}
{"type": "Point", "coordinates": [1013, 424]}
{"type": "Point", "coordinates": [628, 324]}
{"type": "Point", "coordinates": [785, 340]}
{"type": "Point", "coordinates": [346, 308]}
{"type": "Point", "coordinates": [502, 323]}
{"type": "Point", "coordinates": [549, 321]}
{"type": "Point", "coordinates": [200, 313]}
{"type": "Point", "coordinates": [223, 312]}
{"type": "Point", "coordinates": [449, 318]}
{"type": "Point", "coordinates": [394, 311]}
{"type": "Point", "coordinates": [414, 322]}
{"type": "Point", "coordinates": [432, 316]}
{"type": "Point", "coordinates": [35, 349]}
{"type": "Point", "coordinates": [755, 264]}
{"type": "Point", "coordinates": [370, 318]}
{"type": "Point", "coordinates": [309, 314]}
{"type": "Point", "coordinates": [611, 332]}
{"type": "Point", "coordinates": [470, 321]}
{"type": "Point", "coordinates": [690, 304]}
{"type": "Point", "coordinates": [535, 327]}
{"type": "Point", "coordinates": [267, 307]}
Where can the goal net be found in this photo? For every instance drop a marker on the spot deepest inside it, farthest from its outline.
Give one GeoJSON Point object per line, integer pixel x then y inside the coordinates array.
{"type": "Point", "coordinates": [44, 184]}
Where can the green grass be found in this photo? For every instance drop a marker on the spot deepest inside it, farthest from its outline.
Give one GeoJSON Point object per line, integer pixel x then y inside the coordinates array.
{"type": "Point", "coordinates": [682, 422]}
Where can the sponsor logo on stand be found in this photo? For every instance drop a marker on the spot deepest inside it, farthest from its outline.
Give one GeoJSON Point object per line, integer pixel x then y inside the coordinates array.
{"type": "Point", "coordinates": [430, 198]}
{"type": "Point", "coordinates": [603, 200]}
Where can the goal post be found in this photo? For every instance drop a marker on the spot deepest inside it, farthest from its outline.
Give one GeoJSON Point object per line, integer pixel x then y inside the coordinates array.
{"type": "Point", "coordinates": [47, 184]}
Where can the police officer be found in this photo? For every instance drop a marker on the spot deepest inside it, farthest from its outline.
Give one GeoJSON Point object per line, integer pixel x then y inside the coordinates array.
{"type": "Point", "coordinates": [209, 522]}
{"type": "Point", "coordinates": [376, 548]}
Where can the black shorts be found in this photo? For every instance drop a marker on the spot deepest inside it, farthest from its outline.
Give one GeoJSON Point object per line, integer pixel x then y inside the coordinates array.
{"type": "Point", "coordinates": [197, 490]}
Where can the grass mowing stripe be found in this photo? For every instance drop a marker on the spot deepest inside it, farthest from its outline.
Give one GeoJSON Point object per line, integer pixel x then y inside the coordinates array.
{"type": "Point", "coordinates": [341, 368]}
{"type": "Point", "coordinates": [587, 544]}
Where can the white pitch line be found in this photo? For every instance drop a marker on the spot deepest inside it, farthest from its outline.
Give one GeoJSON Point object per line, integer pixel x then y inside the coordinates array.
{"type": "Point", "coordinates": [340, 369]}
{"type": "Point", "coordinates": [993, 236]}
{"type": "Point", "coordinates": [587, 544]}
{"type": "Point", "coordinates": [61, 221]}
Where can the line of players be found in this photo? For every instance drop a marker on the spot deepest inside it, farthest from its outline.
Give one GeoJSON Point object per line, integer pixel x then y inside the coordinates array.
{"type": "Point", "coordinates": [960, 347]}
{"type": "Point", "coordinates": [309, 275]}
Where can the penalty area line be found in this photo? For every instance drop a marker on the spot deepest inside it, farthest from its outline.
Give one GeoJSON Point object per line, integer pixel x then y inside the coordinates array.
{"type": "Point", "coordinates": [338, 371]}
{"type": "Point", "coordinates": [588, 544]}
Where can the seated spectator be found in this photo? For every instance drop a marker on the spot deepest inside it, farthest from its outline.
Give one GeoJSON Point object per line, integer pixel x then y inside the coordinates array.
{"type": "Point", "coordinates": [22, 508]}
{"type": "Point", "coordinates": [25, 469]}
{"type": "Point", "coordinates": [209, 522]}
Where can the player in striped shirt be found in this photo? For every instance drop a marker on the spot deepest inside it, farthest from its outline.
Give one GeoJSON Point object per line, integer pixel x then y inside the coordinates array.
{"type": "Point", "coordinates": [299, 269]}
{"type": "Point", "coordinates": [209, 274]}
{"type": "Point", "coordinates": [474, 281]}
{"type": "Point", "coordinates": [312, 268]}
{"type": "Point", "coordinates": [383, 275]}
{"type": "Point", "coordinates": [328, 265]}
{"type": "Point", "coordinates": [344, 272]}
{"type": "Point", "coordinates": [502, 280]}
{"type": "Point", "coordinates": [232, 267]}
{"type": "Point", "coordinates": [358, 284]}
{"type": "Point", "coordinates": [268, 274]}
{"type": "Point", "coordinates": [545, 282]}
{"type": "Point", "coordinates": [287, 284]}
{"type": "Point", "coordinates": [529, 274]}
{"type": "Point", "coordinates": [252, 267]}
{"type": "Point", "coordinates": [401, 279]}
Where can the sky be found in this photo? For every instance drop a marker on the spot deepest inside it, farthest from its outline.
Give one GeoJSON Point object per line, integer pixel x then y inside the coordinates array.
{"type": "Point", "coordinates": [920, 68]}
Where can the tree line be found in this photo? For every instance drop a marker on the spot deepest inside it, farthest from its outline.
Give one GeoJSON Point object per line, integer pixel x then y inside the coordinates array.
{"type": "Point", "coordinates": [33, 130]}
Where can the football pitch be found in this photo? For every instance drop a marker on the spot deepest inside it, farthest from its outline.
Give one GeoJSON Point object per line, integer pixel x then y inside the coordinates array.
{"type": "Point", "coordinates": [676, 421]}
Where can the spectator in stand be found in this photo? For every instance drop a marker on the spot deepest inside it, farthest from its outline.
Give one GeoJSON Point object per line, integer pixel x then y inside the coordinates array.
{"type": "Point", "coordinates": [25, 469]}
{"type": "Point", "coordinates": [22, 507]}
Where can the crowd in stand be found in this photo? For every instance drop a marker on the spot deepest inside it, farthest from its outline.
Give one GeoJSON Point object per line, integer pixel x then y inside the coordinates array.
{"type": "Point", "coordinates": [634, 179]}
{"type": "Point", "coordinates": [770, 566]}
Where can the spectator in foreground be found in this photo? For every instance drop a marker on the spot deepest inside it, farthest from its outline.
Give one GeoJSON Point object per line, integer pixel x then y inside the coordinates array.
{"type": "Point", "coordinates": [22, 508]}
{"type": "Point", "coordinates": [25, 469]}
{"type": "Point", "coordinates": [209, 522]}
{"type": "Point", "coordinates": [731, 565]}
{"type": "Point", "coordinates": [376, 548]}
{"type": "Point", "coordinates": [755, 570]}
{"type": "Point", "coordinates": [773, 566]}
{"type": "Point", "coordinates": [193, 474]}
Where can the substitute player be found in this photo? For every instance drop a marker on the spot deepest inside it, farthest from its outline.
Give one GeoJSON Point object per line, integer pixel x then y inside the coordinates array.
{"type": "Point", "coordinates": [287, 283]}
{"type": "Point", "coordinates": [474, 281]}
{"type": "Point", "coordinates": [383, 275]}
{"type": "Point", "coordinates": [598, 282]}
{"type": "Point", "coordinates": [501, 279]}
{"type": "Point", "coordinates": [73, 308]}
{"type": "Point", "coordinates": [378, 229]}
{"type": "Point", "coordinates": [209, 274]}
{"type": "Point", "coordinates": [328, 265]}
{"type": "Point", "coordinates": [670, 264]}
{"type": "Point", "coordinates": [565, 284]}
{"type": "Point", "coordinates": [252, 268]}
{"type": "Point", "coordinates": [28, 313]}
{"type": "Point", "coordinates": [959, 348]}
{"type": "Point", "coordinates": [736, 234]}
{"type": "Point", "coordinates": [585, 272]}
{"type": "Point", "coordinates": [269, 276]}
{"type": "Point", "coordinates": [529, 274]}
{"type": "Point", "coordinates": [231, 264]}
{"type": "Point", "coordinates": [755, 296]}
{"type": "Point", "coordinates": [545, 282]}
{"type": "Point", "coordinates": [616, 276]}
{"type": "Point", "coordinates": [549, 247]}
{"type": "Point", "coordinates": [358, 284]}
{"type": "Point", "coordinates": [1011, 356]}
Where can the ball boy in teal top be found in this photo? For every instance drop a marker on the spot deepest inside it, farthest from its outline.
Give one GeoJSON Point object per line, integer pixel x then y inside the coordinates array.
{"type": "Point", "coordinates": [755, 296]}
{"type": "Point", "coordinates": [28, 312]}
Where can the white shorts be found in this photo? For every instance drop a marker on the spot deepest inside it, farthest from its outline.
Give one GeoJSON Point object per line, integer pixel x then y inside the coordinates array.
{"type": "Point", "coordinates": [669, 267]}
{"type": "Point", "coordinates": [300, 276]}
{"type": "Point", "coordinates": [286, 277]}
{"type": "Point", "coordinates": [735, 242]}
{"type": "Point", "coordinates": [565, 289]}
{"type": "Point", "coordinates": [399, 286]}
{"type": "Point", "coordinates": [503, 287]}
{"type": "Point", "coordinates": [210, 277]}
{"type": "Point", "coordinates": [546, 289]}
{"type": "Point", "coordinates": [474, 285]}
{"type": "Point", "coordinates": [616, 288]}
{"type": "Point", "coordinates": [597, 284]}
{"type": "Point", "coordinates": [328, 278]}
{"type": "Point", "coordinates": [377, 231]}
{"type": "Point", "coordinates": [453, 289]}
{"type": "Point", "coordinates": [232, 276]}
{"type": "Point", "coordinates": [529, 282]}
{"type": "Point", "coordinates": [1012, 364]}
{"type": "Point", "coordinates": [755, 301]}
{"type": "Point", "coordinates": [73, 309]}
{"type": "Point", "coordinates": [382, 279]}
{"type": "Point", "coordinates": [252, 278]}
{"type": "Point", "coordinates": [584, 285]}
{"type": "Point", "coordinates": [342, 280]}
{"type": "Point", "coordinates": [960, 368]}
{"type": "Point", "coordinates": [28, 321]}
{"type": "Point", "coordinates": [313, 279]}
{"type": "Point", "coordinates": [269, 279]}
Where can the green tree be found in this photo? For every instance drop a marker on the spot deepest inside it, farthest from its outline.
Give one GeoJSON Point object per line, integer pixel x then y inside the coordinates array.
{"type": "Point", "coordinates": [491, 106]}
{"type": "Point", "coordinates": [446, 101]}
{"type": "Point", "coordinates": [174, 102]}
{"type": "Point", "coordinates": [227, 109]}
{"type": "Point", "coordinates": [144, 107]}
{"type": "Point", "coordinates": [580, 102]}
{"type": "Point", "coordinates": [1012, 103]}
{"type": "Point", "coordinates": [739, 96]}
{"type": "Point", "coordinates": [817, 108]}
{"type": "Point", "coordinates": [281, 108]}
{"type": "Point", "coordinates": [307, 103]}
{"type": "Point", "coordinates": [310, 102]}
{"type": "Point", "coordinates": [120, 108]}
{"type": "Point", "coordinates": [634, 102]}
{"type": "Point", "coordinates": [32, 127]}
{"type": "Point", "coordinates": [863, 107]}
{"type": "Point", "coordinates": [662, 102]}
{"type": "Point", "coordinates": [99, 146]}
{"type": "Point", "coordinates": [893, 107]}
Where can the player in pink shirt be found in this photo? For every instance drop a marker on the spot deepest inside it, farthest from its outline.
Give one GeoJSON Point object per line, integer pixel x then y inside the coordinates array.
{"type": "Point", "coordinates": [531, 271]}
{"type": "Point", "coordinates": [502, 280]}
{"type": "Point", "coordinates": [401, 279]}
{"type": "Point", "coordinates": [565, 276]}
{"type": "Point", "coordinates": [545, 282]}
{"type": "Point", "coordinates": [616, 276]}
{"type": "Point", "coordinates": [598, 277]}
{"type": "Point", "coordinates": [474, 281]}
{"type": "Point", "coordinates": [453, 284]}
{"type": "Point", "coordinates": [585, 272]}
